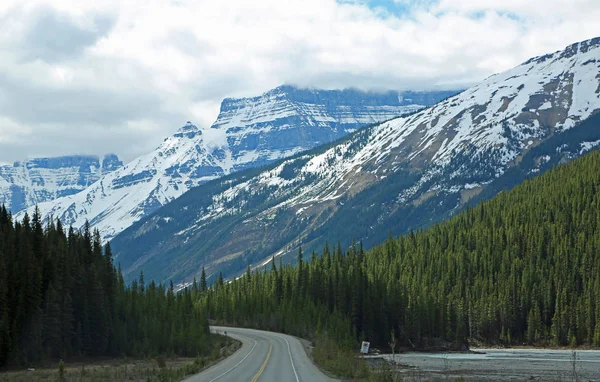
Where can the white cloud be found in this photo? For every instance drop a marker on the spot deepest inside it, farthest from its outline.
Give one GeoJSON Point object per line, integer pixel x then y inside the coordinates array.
{"type": "Point", "coordinates": [108, 68]}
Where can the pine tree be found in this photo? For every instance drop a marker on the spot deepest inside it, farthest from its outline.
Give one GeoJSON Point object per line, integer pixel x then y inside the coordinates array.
{"type": "Point", "coordinates": [4, 309]}
{"type": "Point", "coordinates": [203, 285]}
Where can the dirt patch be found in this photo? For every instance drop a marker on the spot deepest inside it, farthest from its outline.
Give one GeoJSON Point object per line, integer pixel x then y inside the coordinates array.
{"type": "Point", "coordinates": [415, 143]}
{"type": "Point", "coordinates": [423, 198]}
{"type": "Point", "coordinates": [355, 182]}
{"type": "Point", "coordinates": [466, 195]}
{"type": "Point", "coordinates": [526, 118]}
{"type": "Point", "coordinates": [505, 103]}
{"type": "Point", "coordinates": [478, 110]}
{"type": "Point", "coordinates": [534, 142]}
{"type": "Point", "coordinates": [537, 100]}
{"type": "Point", "coordinates": [563, 98]}
{"type": "Point", "coordinates": [228, 257]}
{"type": "Point", "coordinates": [549, 118]}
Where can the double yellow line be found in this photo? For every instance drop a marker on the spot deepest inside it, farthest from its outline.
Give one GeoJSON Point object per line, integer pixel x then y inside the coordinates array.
{"type": "Point", "coordinates": [262, 368]}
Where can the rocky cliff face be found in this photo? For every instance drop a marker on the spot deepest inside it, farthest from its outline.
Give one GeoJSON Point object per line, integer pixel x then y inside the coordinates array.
{"type": "Point", "coordinates": [27, 183]}
{"type": "Point", "coordinates": [248, 132]}
{"type": "Point", "coordinates": [399, 175]}
{"type": "Point", "coordinates": [287, 120]}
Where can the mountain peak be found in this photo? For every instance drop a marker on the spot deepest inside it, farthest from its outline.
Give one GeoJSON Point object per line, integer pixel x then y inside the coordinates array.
{"type": "Point", "coordinates": [580, 47]}
{"type": "Point", "coordinates": [38, 180]}
{"type": "Point", "coordinates": [568, 52]}
{"type": "Point", "coordinates": [111, 162]}
{"type": "Point", "coordinates": [189, 130]}
{"type": "Point", "coordinates": [189, 126]}
{"type": "Point", "coordinates": [584, 45]}
{"type": "Point", "coordinates": [286, 100]}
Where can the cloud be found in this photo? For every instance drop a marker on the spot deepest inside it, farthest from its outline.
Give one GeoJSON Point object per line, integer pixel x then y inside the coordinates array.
{"type": "Point", "coordinates": [52, 36]}
{"type": "Point", "coordinates": [127, 74]}
{"type": "Point", "coordinates": [31, 103]}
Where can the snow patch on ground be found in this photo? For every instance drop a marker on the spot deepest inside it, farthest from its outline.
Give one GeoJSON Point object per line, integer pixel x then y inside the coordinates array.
{"type": "Point", "coordinates": [587, 146]}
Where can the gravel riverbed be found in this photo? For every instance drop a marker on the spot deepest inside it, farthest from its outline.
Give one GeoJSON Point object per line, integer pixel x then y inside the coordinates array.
{"type": "Point", "coordinates": [500, 365]}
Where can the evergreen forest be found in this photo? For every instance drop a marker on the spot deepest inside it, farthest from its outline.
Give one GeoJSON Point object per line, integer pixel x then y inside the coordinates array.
{"type": "Point", "coordinates": [61, 297]}
{"type": "Point", "coordinates": [522, 268]}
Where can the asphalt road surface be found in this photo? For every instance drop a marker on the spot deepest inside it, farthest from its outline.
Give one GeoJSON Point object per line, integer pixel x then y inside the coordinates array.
{"type": "Point", "coordinates": [265, 357]}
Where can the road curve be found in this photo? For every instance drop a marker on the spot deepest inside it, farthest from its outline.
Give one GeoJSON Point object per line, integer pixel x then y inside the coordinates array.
{"type": "Point", "coordinates": [263, 357]}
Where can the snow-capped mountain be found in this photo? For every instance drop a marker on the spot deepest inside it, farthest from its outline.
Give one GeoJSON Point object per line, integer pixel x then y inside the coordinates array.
{"type": "Point", "coordinates": [287, 119]}
{"type": "Point", "coordinates": [402, 174]}
{"type": "Point", "coordinates": [248, 132]}
{"type": "Point", "coordinates": [27, 183]}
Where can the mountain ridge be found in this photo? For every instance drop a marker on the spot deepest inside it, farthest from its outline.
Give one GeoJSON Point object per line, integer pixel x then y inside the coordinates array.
{"type": "Point", "coordinates": [38, 180]}
{"type": "Point", "coordinates": [406, 173]}
{"type": "Point", "coordinates": [249, 132]}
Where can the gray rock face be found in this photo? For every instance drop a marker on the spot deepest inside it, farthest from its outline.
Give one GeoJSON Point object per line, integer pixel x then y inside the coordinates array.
{"type": "Point", "coordinates": [111, 162]}
{"type": "Point", "coordinates": [27, 183]}
{"type": "Point", "coordinates": [290, 119]}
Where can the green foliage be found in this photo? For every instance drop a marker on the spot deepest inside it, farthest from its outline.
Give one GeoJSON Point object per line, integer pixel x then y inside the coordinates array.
{"type": "Point", "coordinates": [384, 373]}
{"type": "Point", "coordinates": [523, 267]}
{"type": "Point", "coordinates": [338, 360]}
{"type": "Point", "coordinates": [61, 297]}
{"type": "Point", "coordinates": [99, 370]}
{"type": "Point", "coordinates": [61, 372]}
{"type": "Point", "coordinates": [160, 362]}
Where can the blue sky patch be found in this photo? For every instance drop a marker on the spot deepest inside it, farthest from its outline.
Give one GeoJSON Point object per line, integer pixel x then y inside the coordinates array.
{"type": "Point", "coordinates": [398, 8]}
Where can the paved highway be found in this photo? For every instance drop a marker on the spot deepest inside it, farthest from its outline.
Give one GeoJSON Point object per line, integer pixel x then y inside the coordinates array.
{"type": "Point", "coordinates": [265, 357]}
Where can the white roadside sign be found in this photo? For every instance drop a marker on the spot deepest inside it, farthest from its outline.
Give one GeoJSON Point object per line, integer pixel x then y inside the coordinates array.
{"type": "Point", "coordinates": [364, 349]}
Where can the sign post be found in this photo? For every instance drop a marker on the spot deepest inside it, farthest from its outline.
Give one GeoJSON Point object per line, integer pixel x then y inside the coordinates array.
{"type": "Point", "coordinates": [364, 349]}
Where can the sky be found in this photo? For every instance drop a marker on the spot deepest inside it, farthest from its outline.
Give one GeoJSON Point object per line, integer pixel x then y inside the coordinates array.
{"type": "Point", "coordinates": [112, 76]}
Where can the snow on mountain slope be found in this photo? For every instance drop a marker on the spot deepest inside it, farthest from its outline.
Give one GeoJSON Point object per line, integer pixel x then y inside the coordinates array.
{"type": "Point", "coordinates": [38, 180]}
{"type": "Point", "coordinates": [400, 174]}
{"type": "Point", "coordinates": [288, 119]}
{"type": "Point", "coordinates": [505, 114]}
{"type": "Point", "coordinates": [249, 132]}
{"type": "Point", "coordinates": [123, 196]}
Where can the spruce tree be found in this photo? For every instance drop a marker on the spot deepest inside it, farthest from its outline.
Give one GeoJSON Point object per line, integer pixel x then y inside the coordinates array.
{"type": "Point", "coordinates": [203, 285]}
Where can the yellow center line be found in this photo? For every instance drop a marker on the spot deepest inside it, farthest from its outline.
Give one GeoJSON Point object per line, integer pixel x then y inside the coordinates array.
{"type": "Point", "coordinates": [263, 365]}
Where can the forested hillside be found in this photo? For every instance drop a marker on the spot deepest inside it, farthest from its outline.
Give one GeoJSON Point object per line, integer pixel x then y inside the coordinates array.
{"type": "Point", "coordinates": [523, 267]}
{"type": "Point", "coordinates": [61, 296]}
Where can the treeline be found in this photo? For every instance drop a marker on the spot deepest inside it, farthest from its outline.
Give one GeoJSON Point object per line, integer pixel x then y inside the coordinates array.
{"type": "Point", "coordinates": [523, 267]}
{"type": "Point", "coordinates": [61, 297]}
{"type": "Point", "coordinates": [305, 301]}
{"type": "Point", "coordinates": [285, 299]}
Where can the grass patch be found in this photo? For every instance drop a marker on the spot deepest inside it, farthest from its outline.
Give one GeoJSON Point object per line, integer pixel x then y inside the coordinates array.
{"type": "Point", "coordinates": [159, 369]}
{"type": "Point", "coordinates": [337, 360]}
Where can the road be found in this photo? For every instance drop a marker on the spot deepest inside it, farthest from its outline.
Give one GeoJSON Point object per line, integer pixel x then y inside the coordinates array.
{"type": "Point", "coordinates": [265, 357]}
